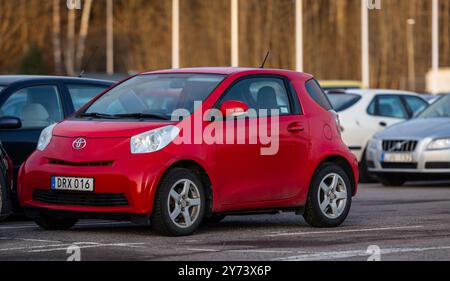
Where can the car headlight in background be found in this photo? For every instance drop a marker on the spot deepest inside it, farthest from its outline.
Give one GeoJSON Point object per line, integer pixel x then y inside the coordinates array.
{"type": "Point", "coordinates": [373, 143]}
{"type": "Point", "coordinates": [439, 144]}
{"type": "Point", "coordinates": [45, 137]}
{"type": "Point", "coordinates": [153, 140]}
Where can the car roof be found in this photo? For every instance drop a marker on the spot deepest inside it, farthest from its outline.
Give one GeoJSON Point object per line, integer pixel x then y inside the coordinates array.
{"type": "Point", "coordinates": [228, 71]}
{"type": "Point", "coordinates": [10, 79]}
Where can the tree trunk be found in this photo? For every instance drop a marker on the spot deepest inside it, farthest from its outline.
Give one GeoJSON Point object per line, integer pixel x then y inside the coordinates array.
{"type": "Point", "coordinates": [70, 44]}
{"type": "Point", "coordinates": [56, 37]}
{"type": "Point", "coordinates": [84, 29]}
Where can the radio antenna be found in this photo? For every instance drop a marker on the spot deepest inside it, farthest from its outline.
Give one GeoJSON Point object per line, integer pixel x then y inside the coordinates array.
{"type": "Point", "coordinates": [269, 52]}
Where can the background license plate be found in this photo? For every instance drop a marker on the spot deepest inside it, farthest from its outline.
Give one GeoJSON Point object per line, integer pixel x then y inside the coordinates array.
{"type": "Point", "coordinates": [398, 157]}
{"type": "Point", "coordinates": [72, 183]}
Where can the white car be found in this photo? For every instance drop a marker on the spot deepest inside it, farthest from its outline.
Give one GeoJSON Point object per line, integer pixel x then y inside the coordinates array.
{"type": "Point", "coordinates": [365, 112]}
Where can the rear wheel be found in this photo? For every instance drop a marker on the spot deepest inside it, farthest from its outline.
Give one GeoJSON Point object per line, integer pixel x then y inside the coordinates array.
{"type": "Point", "coordinates": [179, 203]}
{"type": "Point", "coordinates": [329, 198]}
{"type": "Point", "coordinates": [391, 180]}
{"type": "Point", "coordinates": [52, 223]}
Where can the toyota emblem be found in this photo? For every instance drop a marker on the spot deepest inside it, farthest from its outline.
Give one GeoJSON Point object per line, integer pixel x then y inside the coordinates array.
{"type": "Point", "coordinates": [79, 144]}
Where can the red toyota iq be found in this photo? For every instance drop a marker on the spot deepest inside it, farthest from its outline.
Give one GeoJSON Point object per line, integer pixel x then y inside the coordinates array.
{"type": "Point", "coordinates": [177, 147]}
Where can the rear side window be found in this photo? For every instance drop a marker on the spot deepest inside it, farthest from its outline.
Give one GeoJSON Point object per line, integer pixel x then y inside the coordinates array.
{"type": "Point", "coordinates": [83, 93]}
{"type": "Point", "coordinates": [316, 92]}
{"type": "Point", "coordinates": [341, 102]}
{"type": "Point", "coordinates": [415, 104]}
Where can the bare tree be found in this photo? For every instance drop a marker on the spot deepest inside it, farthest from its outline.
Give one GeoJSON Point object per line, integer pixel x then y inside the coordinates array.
{"type": "Point", "coordinates": [84, 29]}
{"type": "Point", "coordinates": [70, 43]}
{"type": "Point", "coordinates": [56, 37]}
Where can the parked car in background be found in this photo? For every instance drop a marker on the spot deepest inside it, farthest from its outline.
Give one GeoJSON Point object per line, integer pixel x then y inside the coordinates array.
{"type": "Point", "coordinates": [39, 101]}
{"type": "Point", "coordinates": [363, 113]}
{"type": "Point", "coordinates": [124, 157]}
{"type": "Point", "coordinates": [418, 149]}
{"type": "Point", "coordinates": [6, 171]}
{"type": "Point", "coordinates": [330, 85]}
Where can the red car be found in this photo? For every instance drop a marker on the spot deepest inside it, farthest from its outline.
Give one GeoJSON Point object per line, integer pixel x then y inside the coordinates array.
{"type": "Point", "coordinates": [176, 147]}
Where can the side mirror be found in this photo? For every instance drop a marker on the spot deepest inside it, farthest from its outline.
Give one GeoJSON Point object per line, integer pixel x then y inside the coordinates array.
{"type": "Point", "coordinates": [233, 108]}
{"type": "Point", "coordinates": [10, 122]}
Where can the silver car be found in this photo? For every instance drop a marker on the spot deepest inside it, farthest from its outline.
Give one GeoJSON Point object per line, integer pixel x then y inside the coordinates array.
{"type": "Point", "coordinates": [418, 149]}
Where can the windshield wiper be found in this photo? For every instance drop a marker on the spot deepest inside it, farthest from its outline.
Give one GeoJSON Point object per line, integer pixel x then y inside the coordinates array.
{"type": "Point", "coordinates": [97, 115]}
{"type": "Point", "coordinates": [142, 116]}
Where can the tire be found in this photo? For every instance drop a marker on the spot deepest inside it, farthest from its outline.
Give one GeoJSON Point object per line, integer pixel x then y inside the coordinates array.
{"type": "Point", "coordinates": [215, 218]}
{"type": "Point", "coordinates": [5, 209]}
{"type": "Point", "coordinates": [364, 175]}
{"type": "Point", "coordinates": [391, 180]}
{"type": "Point", "coordinates": [340, 197]}
{"type": "Point", "coordinates": [181, 194]}
{"type": "Point", "coordinates": [52, 223]}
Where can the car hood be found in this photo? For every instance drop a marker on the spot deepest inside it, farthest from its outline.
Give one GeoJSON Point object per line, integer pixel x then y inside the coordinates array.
{"type": "Point", "coordinates": [104, 129]}
{"type": "Point", "coordinates": [418, 128]}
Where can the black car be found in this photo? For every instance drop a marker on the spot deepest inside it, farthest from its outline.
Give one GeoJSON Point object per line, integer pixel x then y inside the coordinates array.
{"type": "Point", "coordinates": [6, 178]}
{"type": "Point", "coordinates": [37, 102]}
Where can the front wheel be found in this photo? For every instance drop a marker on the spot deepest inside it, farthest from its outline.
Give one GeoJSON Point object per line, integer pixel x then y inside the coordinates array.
{"type": "Point", "coordinates": [329, 198]}
{"type": "Point", "coordinates": [179, 203]}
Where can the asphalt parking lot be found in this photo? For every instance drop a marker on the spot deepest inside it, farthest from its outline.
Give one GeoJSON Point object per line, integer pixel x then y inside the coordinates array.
{"type": "Point", "coordinates": [406, 223]}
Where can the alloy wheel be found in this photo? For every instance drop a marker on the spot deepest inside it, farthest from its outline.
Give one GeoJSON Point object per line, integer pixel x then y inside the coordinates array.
{"type": "Point", "coordinates": [332, 195]}
{"type": "Point", "coordinates": [184, 203]}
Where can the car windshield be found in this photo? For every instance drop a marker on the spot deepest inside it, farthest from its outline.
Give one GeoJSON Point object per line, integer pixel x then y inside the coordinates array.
{"type": "Point", "coordinates": [439, 109]}
{"type": "Point", "coordinates": [341, 102]}
{"type": "Point", "coordinates": [153, 96]}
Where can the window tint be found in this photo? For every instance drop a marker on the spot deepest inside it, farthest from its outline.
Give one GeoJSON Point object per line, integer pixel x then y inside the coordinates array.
{"type": "Point", "coordinates": [415, 104]}
{"type": "Point", "coordinates": [265, 93]}
{"type": "Point", "coordinates": [316, 92]}
{"type": "Point", "coordinates": [388, 106]}
{"type": "Point", "coordinates": [341, 102]}
{"type": "Point", "coordinates": [82, 94]}
{"type": "Point", "coordinates": [37, 106]}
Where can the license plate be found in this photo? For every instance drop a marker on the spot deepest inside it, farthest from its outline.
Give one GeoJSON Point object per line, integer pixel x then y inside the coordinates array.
{"type": "Point", "coordinates": [73, 184]}
{"type": "Point", "coordinates": [397, 157]}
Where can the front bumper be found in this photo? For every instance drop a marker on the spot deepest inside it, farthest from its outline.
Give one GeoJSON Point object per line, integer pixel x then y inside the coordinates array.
{"type": "Point", "coordinates": [425, 163]}
{"type": "Point", "coordinates": [134, 177]}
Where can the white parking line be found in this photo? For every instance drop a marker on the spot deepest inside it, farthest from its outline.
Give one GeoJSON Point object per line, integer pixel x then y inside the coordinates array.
{"type": "Point", "coordinates": [92, 245]}
{"type": "Point", "coordinates": [336, 255]}
{"type": "Point", "coordinates": [342, 231]}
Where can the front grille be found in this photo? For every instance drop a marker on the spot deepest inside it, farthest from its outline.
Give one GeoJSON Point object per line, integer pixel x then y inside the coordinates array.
{"type": "Point", "coordinates": [394, 165]}
{"type": "Point", "coordinates": [80, 199]}
{"type": "Point", "coordinates": [399, 145]}
{"type": "Point", "coordinates": [437, 165]}
{"type": "Point", "coordinates": [81, 164]}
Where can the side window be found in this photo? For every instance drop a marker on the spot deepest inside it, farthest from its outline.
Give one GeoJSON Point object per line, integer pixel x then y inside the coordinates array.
{"type": "Point", "coordinates": [82, 94]}
{"type": "Point", "coordinates": [37, 106]}
{"type": "Point", "coordinates": [316, 92]}
{"type": "Point", "coordinates": [261, 94]}
{"type": "Point", "coordinates": [415, 104]}
{"type": "Point", "coordinates": [388, 106]}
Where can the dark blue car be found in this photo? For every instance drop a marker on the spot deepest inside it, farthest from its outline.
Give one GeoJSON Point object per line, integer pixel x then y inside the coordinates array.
{"type": "Point", "coordinates": [36, 102]}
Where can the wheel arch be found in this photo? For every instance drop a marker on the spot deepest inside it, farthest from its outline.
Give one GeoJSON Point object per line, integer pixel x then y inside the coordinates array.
{"type": "Point", "coordinates": [345, 164]}
{"type": "Point", "coordinates": [199, 170]}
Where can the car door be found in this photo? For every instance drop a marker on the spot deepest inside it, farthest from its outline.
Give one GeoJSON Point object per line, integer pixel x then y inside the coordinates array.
{"type": "Point", "coordinates": [38, 106]}
{"type": "Point", "coordinates": [247, 175]}
{"type": "Point", "coordinates": [387, 110]}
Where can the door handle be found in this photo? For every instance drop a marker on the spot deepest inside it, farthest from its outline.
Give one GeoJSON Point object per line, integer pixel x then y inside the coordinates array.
{"type": "Point", "coordinates": [383, 124]}
{"type": "Point", "coordinates": [295, 128]}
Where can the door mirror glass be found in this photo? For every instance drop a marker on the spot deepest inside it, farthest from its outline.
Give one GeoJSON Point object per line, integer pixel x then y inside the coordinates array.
{"type": "Point", "coordinates": [233, 108]}
{"type": "Point", "coordinates": [10, 122]}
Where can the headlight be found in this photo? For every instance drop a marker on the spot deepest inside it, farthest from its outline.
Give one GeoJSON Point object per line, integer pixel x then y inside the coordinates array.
{"type": "Point", "coordinates": [45, 138]}
{"type": "Point", "coordinates": [439, 144]}
{"type": "Point", "coordinates": [153, 140]}
{"type": "Point", "coordinates": [373, 143]}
